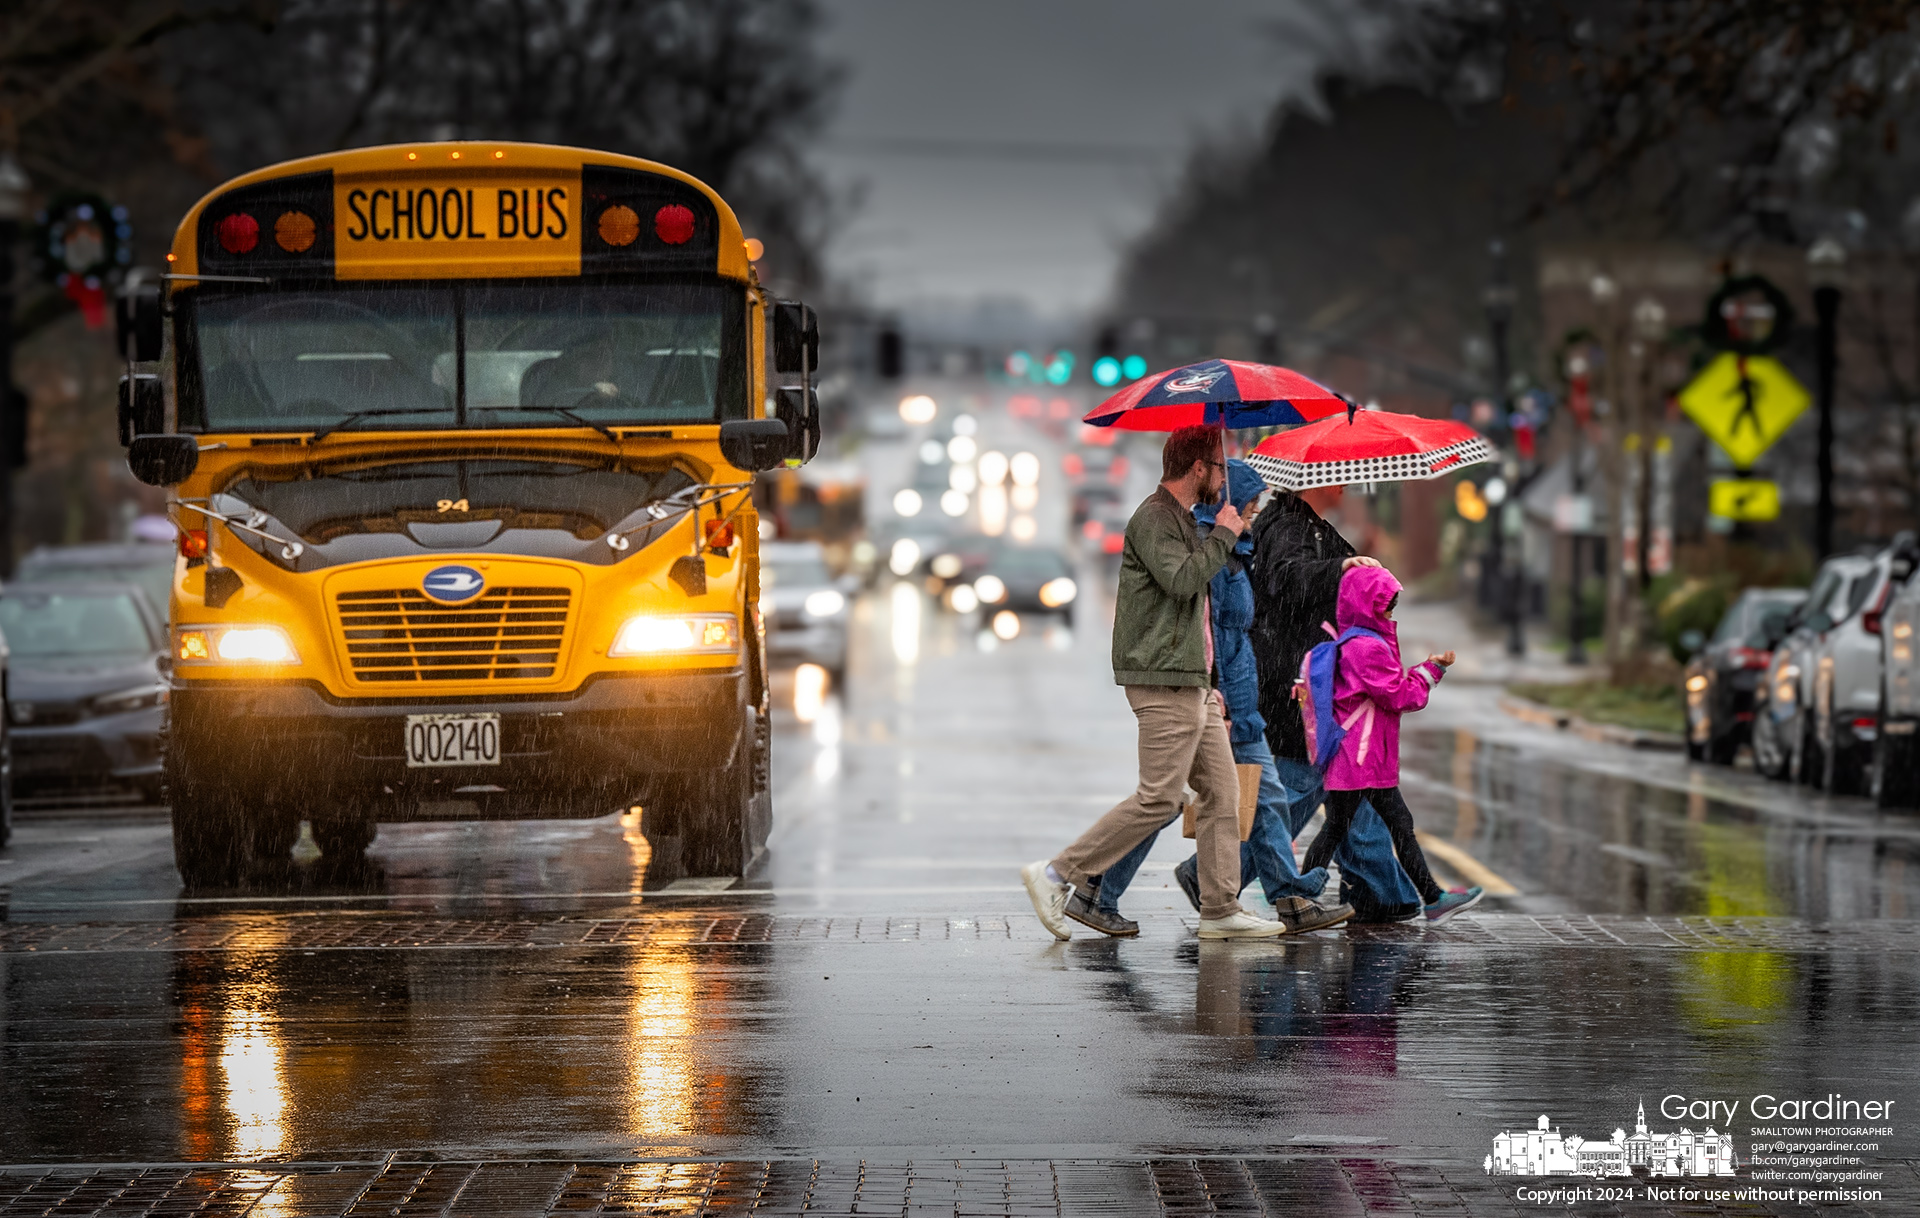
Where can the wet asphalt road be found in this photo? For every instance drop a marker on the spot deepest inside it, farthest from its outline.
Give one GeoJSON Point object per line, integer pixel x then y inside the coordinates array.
{"type": "Point", "coordinates": [506, 1018]}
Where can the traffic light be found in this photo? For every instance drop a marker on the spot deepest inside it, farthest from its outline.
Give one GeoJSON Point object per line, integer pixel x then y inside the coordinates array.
{"type": "Point", "coordinates": [1106, 357]}
{"type": "Point", "coordinates": [891, 355]}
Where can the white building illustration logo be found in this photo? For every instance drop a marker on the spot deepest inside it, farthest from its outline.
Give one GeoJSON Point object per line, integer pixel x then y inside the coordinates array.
{"type": "Point", "coordinates": [1544, 1151]}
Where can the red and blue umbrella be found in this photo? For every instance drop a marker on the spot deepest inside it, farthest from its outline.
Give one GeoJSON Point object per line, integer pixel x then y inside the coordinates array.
{"type": "Point", "coordinates": [1218, 393]}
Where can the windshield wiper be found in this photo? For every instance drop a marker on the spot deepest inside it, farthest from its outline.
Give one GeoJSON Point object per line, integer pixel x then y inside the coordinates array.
{"type": "Point", "coordinates": [563, 412]}
{"type": "Point", "coordinates": [356, 416]}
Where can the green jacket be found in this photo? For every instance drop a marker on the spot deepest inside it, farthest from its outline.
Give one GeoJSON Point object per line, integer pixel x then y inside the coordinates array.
{"type": "Point", "coordinates": [1159, 630]}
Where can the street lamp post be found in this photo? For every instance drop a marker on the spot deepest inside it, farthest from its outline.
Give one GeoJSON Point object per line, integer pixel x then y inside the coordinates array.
{"type": "Point", "coordinates": [1649, 331]}
{"type": "Point", "coordinates": [14, 186]}
{"type": "Point", "coordinates": [1508, 591]}
{"type": "Point", "coordinates": [1578, 399]}
{"type": "Point", "coordinates": [1826, 263]}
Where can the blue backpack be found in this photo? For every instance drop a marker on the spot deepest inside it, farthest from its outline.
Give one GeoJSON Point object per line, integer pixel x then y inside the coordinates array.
{"type": "Point", "coordinates": [1314, 691]}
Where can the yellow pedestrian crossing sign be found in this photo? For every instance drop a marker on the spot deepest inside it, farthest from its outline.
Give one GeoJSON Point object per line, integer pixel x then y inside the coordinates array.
{"type": "Point", "coordinates": [1744, 403]}
{"type": "Point", "coordinates": [1751, 499]}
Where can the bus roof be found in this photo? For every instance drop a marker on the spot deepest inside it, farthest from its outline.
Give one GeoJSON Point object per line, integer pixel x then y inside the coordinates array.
{"type": "Point", "coordinates": [470, 209]}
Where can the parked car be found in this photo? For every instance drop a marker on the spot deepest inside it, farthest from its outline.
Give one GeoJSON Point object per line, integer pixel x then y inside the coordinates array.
{"type": "Point", "coordinates": [1846, 673]}
{"type": "Point", "coordinates": [147, 565]}
{"type": "Point", "coordinates": [86, 687]}
{"type": "Point", "coordinates": [807, 610]}
{"type": "Point", "coordinates": [1784, 745]}
{"type": "Point", "coordinates": [1027, 579]}
{"type": "Point", "coordinates": [1722, 676]}
{"type": "Point", "coordinates": [1893, 774]}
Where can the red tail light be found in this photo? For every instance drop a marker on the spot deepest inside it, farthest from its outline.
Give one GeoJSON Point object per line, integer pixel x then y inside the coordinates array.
{"type": "Point", "coordinates": [1073, 465]}
{"type": "Point", "coordinates": [1092, 530]}
{"type": "Point", "coordinates": [1867, 722]}
{"type": "Point", "coordinates": [193, 543]}
{"type": "Point", "coordinates": [1750, 657]}
{"type": "Point", "coordinates": [1113, 543]}
{"type": "Point", "coordinates": [1870, 619]}
{"type": "Point", "coordinates": [1117, 472]}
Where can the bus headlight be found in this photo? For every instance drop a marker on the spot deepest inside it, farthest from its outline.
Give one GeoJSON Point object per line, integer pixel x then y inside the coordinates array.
{"type": "Point", "coordinates": [233, 645]}
{"type": "Point", "coordinates": [696, 634]}
{"type": "Point", "coordinates": [1057, 592]}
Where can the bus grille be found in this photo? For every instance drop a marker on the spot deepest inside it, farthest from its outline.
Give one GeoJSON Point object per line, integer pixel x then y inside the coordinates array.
{"type": "Point", "coordinates": [508, 634]}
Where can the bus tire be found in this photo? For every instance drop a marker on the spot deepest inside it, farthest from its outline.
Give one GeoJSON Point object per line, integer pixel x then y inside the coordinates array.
{"type": "Point", "coordinates": [221, 837]}
{"type": "Point", "coordinates": [726, 816]}
{"type": "Point", "coordinates": [343, 839]}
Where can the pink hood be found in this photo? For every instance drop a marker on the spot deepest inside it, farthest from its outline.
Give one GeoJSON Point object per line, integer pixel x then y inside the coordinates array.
{"type": "Point", "coordinates": [1370, 689]}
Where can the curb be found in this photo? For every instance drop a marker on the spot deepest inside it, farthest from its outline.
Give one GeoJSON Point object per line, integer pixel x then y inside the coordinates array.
{"type": "Point", "coordinates": [1605, 733]}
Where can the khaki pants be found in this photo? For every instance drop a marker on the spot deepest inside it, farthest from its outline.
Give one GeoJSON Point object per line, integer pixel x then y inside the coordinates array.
{"type": "Point", "coordinates": [1183, 741]}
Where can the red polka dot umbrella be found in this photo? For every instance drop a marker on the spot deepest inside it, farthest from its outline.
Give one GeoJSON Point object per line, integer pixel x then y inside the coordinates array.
{"type": "Point", "coordinates": [1367, 446]}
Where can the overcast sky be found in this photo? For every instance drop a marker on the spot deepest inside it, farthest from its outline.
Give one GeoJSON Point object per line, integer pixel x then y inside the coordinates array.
{"type": "Point", "coordinates": [1009, 148]}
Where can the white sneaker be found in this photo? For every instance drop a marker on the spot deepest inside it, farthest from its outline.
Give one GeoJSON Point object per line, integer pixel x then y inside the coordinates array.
{"type": "Point", "coordinates": [1240, 925]}
{"type": "Point", "coordinates": [1049, 898]}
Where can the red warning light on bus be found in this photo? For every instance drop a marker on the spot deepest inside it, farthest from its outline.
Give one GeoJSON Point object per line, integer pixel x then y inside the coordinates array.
{"type": "Point", "coordinates": [673, 224]}
{"type": "Point", "coordinates": [238, 233]}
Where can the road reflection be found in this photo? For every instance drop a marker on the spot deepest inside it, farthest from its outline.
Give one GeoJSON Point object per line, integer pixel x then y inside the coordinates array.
{"type": "Point", "coordinates": [1576, 839]}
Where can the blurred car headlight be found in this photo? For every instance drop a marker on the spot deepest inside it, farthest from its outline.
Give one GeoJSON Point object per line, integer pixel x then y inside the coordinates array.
{"type": "Point", "coordinates": [961, 598]}
{"type": "Point", "coordinates": [946, 566]}
{"type": "Point", "coordinates": [990, 589]}
{"type": "Point", "coordinates": [1696, 683]}
{"type": "Point", "coordinates": [904, 557]}
{"type": "Point", "coordinates": [139, 698]}
{"type": "Point", "coordinates": [233, 645]}
{"type": "Point", "coordinates": [1057, 592]}
{"type": "Point", "coordinates": [697, 634]}
{"type": "Point", "coordinates": [825, 603]}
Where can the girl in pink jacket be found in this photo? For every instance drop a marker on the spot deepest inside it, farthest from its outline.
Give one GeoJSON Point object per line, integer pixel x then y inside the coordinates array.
{"type": "Point", "coordinates": [1370, 693]}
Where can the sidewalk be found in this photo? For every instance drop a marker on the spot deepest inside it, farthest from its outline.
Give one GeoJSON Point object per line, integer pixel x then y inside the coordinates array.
{"type": "Point", "coordinates": [1432, 626]}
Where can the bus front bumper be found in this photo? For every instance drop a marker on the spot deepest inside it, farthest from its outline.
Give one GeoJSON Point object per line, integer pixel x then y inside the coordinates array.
{"type": "Point", "coordinates": [581, 754]}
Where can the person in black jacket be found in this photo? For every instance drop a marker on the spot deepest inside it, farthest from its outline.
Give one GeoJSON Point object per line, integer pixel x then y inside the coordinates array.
{"type": "Point", "coordinates": [1298, 559]}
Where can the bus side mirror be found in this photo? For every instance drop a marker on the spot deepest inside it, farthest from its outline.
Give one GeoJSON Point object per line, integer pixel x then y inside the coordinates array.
{"type": "Point", "coordinates": [163, 460]}
{"type": "Point", "coordinates": [796, 337]}
{"type": "Point", "coordinates": [137, 324]}
{"type": "Point", "coordinates": [750, 444]}
{"type": "Point", "coordinates": [800, 411]}
{"type": "Point", "coordinates": [143, 406]}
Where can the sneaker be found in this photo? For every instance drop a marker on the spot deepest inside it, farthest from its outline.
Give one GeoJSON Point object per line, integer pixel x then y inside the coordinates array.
{"type": "Point", "coordinates": [1187, 875]}
{"type": "Point", "coordinates": [1083, 910]}
{"type": "Point", "coordinates": [1240, 925]}
{"type": "Point", "coordinates": [1452, 902]}
{"type": "Point", "coordinates": [1301, 915]}
{"type": "Point", "coordinates": [1049, 898]}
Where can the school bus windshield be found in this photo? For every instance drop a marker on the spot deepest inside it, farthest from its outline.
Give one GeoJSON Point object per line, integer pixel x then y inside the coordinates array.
{"type": "Point", "coordinates": [483, 354]}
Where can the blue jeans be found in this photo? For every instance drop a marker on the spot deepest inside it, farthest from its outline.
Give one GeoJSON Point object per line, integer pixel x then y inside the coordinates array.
{"type": "Point", "coordinates": [1267, 852]}
{"type": "Point", "coordinates": [1372, 880]}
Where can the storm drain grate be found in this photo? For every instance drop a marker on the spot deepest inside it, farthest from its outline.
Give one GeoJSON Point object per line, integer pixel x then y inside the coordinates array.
{"type": "Point", "coordinates": [1324, 1186]}
{"type": "Point", "coordinates": [342, 931]}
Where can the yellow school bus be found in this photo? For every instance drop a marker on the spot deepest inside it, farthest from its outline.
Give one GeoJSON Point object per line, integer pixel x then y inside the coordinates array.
{"type": "Point", "coordinates": [461, 439]}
